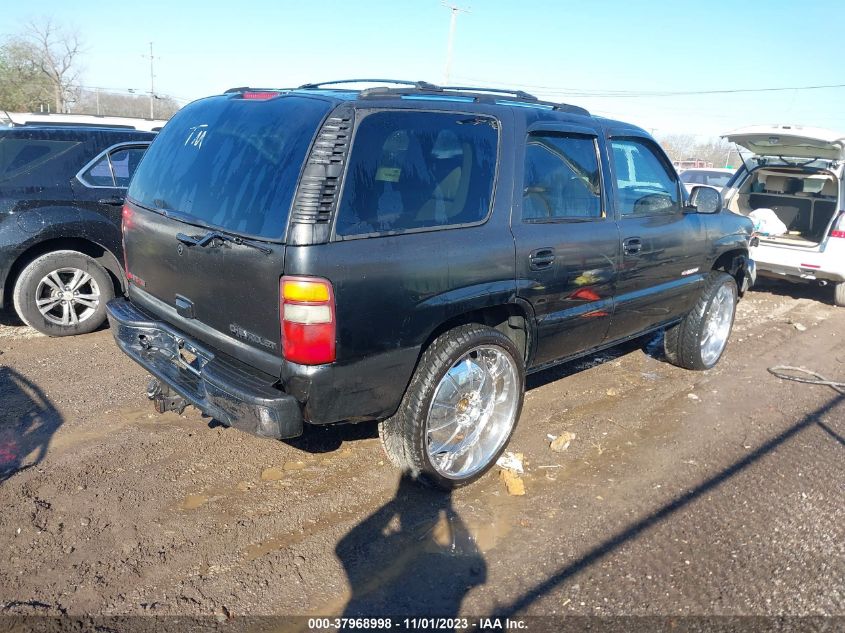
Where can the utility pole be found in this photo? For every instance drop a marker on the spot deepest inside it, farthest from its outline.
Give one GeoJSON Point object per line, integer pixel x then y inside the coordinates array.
{"type": "Point", "coordinates": [152, 80]}
{"type": "Point", "coordinates": [453, 19]}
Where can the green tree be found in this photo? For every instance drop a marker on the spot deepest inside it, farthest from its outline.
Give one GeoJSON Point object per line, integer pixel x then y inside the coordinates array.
{"type": "Point", "coordinates": [23, 87]}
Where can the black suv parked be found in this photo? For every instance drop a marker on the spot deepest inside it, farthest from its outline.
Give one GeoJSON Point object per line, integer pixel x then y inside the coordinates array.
{"type": "Point", "coordinates": [61, 191]}
{"type": "Point", "coordinates": [407, 255]}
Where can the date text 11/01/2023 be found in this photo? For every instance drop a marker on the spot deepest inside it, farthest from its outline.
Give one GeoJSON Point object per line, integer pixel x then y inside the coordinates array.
{"type": "Point", "coordinates": [416, 624]}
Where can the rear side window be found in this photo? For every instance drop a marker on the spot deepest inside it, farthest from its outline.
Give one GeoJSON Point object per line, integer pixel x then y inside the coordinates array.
{"type": "Point", "coordinates": [644, 185]}
{"type": "Point", "coordinates": [231, 163]}
{"type": "Point", "coordinates": [417, 170]}
{"type": "Point", "coordinates": [114, 169]}
{"type": "Point", "coordinates": [562, 178]}
{"type": "Point", "coordinates": [20, 155]}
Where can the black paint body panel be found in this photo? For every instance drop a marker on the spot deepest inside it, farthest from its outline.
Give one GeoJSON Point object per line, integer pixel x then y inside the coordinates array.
{"type": "Point", "coordinates": [394, 292]}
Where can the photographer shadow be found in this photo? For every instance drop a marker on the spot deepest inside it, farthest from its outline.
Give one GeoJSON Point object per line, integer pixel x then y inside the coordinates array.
{"type": "Point", "coordinates": [28, 421]}
{"type": "Point", "coordinates": [413, 557]}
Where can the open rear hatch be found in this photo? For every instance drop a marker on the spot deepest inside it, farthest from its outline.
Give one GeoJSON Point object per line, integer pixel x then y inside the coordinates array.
{"type": "Point", "coordinates": [206, 214]}
{"type": "Point", "coordinates": [791, 141]}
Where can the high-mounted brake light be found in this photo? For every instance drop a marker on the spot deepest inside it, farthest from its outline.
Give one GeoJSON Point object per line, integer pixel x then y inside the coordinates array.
{"type": "Point", "coordinates": [307, 312]}
{"type": "Point", "coordinates": [254, 94]}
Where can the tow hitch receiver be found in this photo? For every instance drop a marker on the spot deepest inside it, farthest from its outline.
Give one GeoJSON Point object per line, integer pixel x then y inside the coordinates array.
{"type": "Point", "coordinates": [164, 398]}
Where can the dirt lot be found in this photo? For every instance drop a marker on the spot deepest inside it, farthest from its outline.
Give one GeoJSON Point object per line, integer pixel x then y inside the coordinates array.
{"type": "Point", "coordinates": [681, 493]}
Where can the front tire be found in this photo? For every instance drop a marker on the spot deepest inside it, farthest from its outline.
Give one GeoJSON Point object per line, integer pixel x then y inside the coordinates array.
{"type": "Point", "coordinates": [699, 340]}
{"type": "Point", "coordinates": [460, 409]}
{"type": "Point", "coordinates": [63, 293]}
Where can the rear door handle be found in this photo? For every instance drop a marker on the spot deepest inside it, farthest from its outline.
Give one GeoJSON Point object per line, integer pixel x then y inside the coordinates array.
{"type": "Point", "coordinates": [632, 246]}
{"type": "Point", "coordinates": [541, 258]}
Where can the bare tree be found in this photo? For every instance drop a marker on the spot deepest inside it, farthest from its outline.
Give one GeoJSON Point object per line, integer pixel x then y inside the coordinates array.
{"type": "Point", "coordinates": [55, 52]}
{"type": "Point", "coordinates": [113, 104]}
{"type": "Point", "coordinates": [687, 146]}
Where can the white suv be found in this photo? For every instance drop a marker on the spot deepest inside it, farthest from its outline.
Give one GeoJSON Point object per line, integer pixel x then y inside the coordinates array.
{"type": "Point", "coordinates": [796, 174]}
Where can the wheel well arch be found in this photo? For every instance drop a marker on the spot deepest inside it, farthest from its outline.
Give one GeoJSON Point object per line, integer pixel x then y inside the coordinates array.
{"type": "Point", "coordinates": [512, 319]}
{"type": "Point", "coordinates": [733, 262]}
{"type": "Point", "coordinates": [100, 254]}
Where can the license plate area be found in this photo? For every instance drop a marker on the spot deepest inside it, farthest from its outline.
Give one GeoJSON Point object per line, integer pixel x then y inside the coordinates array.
{"type": "Point", "coordinates": [180, 352]}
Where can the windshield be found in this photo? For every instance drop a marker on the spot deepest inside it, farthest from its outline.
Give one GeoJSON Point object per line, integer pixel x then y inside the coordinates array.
{"type": "Point", "coordinates": [230, 163]}
{"type": "Point", "coordinates": [701, 177]}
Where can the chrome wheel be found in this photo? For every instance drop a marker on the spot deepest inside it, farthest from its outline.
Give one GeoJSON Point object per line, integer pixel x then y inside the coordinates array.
{"type": "Point", "coordinates": [472, 412]}
{"type": "Point", "coordinates": [67, 296]}
{"type": "Point", "coordinates": [718, 325]}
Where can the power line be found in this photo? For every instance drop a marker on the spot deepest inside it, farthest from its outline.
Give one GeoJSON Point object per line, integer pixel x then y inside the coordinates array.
{"type": "Point", "coordinates": [586, 92]}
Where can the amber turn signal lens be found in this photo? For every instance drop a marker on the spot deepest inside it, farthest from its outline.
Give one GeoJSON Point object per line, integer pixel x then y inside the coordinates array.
{"type": "Point", "coordinates": [306, 291]}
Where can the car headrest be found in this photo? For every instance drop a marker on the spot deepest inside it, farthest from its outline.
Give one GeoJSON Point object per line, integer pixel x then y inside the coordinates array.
{"type": "Point", "coordinates": [830, 188]}
{"type": "Point", "coordinates": [776, 184]}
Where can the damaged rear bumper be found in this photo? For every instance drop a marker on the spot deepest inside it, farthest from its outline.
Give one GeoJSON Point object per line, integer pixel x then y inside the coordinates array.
{"type": "Point", "coordinates": [218, 385]}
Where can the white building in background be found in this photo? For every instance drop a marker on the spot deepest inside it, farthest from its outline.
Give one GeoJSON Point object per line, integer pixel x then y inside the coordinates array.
{"type": "Point", "coordinates": [37, 118]}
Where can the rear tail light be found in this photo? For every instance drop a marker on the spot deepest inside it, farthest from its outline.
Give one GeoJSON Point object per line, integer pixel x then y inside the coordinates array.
{"type": "Point", "coordinates": [126, 223]}
{"type": "Point", "coordinates": [308, 320]}
{"type": "Point", "coordinates": [839, 226]}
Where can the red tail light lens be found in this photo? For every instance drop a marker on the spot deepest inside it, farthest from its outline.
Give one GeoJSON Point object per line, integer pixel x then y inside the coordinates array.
{"type": "Point", "coordinates": [126, 223]}
{"type": "Point", "coordinates": [839, 226]}
{"type": "Point", "coordinates": [127, 216]}
{"type": "Point", "coordinates": [308, 320]}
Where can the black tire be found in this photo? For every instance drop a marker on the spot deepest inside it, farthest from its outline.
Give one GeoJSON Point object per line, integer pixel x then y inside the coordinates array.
{"type": "Point", "coordinates": [682, 342]}
{"type": "Point", "coordinates": [839, 294]}
{"type": "Point", "coordinates": [403, 435]}
{"type": "Point", "coordinates": [27, 286]}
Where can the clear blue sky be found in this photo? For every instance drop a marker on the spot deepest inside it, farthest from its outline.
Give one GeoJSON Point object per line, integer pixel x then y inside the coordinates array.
{"type": "Point", "coordinates": [545, 47]}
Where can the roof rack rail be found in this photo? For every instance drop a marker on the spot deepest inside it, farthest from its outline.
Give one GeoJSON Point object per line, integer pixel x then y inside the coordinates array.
{"type": "Point", "coordinates": [410, 87]}
{"type": "Point", "coordinates": [519, 94]}
{"type": "Point", "coordinates": [422, 85]}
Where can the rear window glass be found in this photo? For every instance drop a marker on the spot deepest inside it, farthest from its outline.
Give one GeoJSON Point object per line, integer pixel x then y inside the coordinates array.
{"type": "Point", "coordinates": [415, 170]}
{"type": "Point", "coordinates": [230, 163]}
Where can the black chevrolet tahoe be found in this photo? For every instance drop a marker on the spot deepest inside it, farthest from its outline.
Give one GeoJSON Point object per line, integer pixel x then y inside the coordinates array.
{"type": "Point", "coordinates": [407, 253]}
{"type": "Point", "coordinates": [61, 193]}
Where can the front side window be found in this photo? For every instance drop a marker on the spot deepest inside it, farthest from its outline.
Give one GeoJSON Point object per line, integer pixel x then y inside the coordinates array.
{"type": "Point", "coordinates": [561, 178]}
{"type": "Point", "coordinates": [417, 170]}
{"type": "Point", "coordinates": [644, 186]}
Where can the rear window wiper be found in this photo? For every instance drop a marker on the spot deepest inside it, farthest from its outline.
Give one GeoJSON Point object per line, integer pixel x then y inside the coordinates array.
{"type": "Point", "coordinates": [212, 236]}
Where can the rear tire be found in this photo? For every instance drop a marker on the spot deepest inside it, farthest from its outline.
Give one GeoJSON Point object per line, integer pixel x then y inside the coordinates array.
{"type": "Point", "coordinates": [839, 294]}
{"type": "Point", "coordinates": [63, 293]}
{"type": "Point", "coordinates": [700, 339]}
{"type": "Point", "coordinates": [459, 410]}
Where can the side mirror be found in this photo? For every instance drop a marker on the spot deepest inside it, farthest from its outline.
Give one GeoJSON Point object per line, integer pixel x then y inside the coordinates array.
{"type": "Point", "coordinates": [705, 200]}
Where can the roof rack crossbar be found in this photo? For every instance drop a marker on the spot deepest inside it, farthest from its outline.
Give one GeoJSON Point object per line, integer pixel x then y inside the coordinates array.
{"type": "Point", "coordinates": [519, 94]}
{"type": "Point", "coordinates": [399, 82]}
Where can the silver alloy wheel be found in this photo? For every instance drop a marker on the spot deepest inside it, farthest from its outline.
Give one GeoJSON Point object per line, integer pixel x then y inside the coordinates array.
{"type": "Point", "coordinates": [718, 325]}
{"type": "Point", "coordinates": [472, 412]}
{"type": "Point", "coordinates": [67, 296]}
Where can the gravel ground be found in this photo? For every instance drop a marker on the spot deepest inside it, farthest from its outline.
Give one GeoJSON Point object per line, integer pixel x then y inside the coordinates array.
{"type": "Point", "coordinates": [682, 493]}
